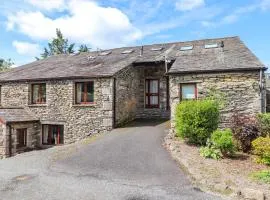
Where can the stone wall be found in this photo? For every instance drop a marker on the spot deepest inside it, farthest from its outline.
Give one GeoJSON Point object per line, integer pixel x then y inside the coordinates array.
{"type": "Point", "coordinates": [79, 120]}
{"type": "Point", "coordinates": [241, 90]}
{"type": "Point", "coordinates": [126, 98]}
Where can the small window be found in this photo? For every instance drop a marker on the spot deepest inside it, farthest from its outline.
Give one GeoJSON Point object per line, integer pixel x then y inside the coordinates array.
{"type": "Point", "coordinates": [127, 51]}
{"type": "Point", "coordinates": [52, 134]}
{"type": "Point", "coordinates": [85, 92]}
{"type": "Point", "coordinates": [157, 49]}
{"type": "Point", "coordinates": [210, 46]}
{"type": "Point", "coordinates": [21, 137]}
{"type": "Point", "coordinates": [151, 93]}
{"type": "Point", "coordinates": [188, 91]}
{"type": "Point", "coordinates": [186, 48]}
{"type": "Point", "coordinates": [105, 53]}
{"type": "Point", "coordinates": [39, 93]}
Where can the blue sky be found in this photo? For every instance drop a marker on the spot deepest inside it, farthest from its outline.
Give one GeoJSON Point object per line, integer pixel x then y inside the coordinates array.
{"type": "Point", "coordinates": [27, 25]}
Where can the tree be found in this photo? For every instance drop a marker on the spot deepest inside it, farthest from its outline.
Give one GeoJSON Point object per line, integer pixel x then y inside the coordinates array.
{"type": "Point", "coordinates": [58, 45]}
{"type": "Point", "coordinates": [83, 48]}
{"type": "Point", "coordinates": [5, 64]}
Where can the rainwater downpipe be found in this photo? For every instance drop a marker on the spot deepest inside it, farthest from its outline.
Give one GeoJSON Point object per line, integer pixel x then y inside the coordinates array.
{"type": "Point", "coordinates": [261, 91]}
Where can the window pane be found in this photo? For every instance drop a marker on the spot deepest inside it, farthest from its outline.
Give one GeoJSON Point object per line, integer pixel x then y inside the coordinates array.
{"type": "Point", "coordinates": [21, 137]}
{"type": "Point", "coordinates": [35, 94]}
{"type": "Point", "coordinates": [39, 93]}
{"type": "Point", "coordinates": [90, 92]}
{"type": "Point", "coordinates": [188, 92]}
{"type": "Point", "coordinates": [79, 94]}
{"type": "Point", "coordinates": [43, 93]}
{"type": "Point", "coordinates": [154, 100]}
{"type": "Point", "coordinates": [153, 86]}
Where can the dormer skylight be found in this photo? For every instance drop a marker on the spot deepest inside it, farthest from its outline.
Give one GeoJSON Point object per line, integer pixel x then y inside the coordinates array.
{"type": "Point", "coordinates": [104, 53]}
{"type": "Point", "coordinates": [186, 48]}
{"type": "Point", "coordinates": [127, 51]}
{"type": "Point", "coordinates": [211, 46]}
{"type": "Point", "coordinates": [157, 48]}
{"type": "Point", "coordinates": [91, 58]}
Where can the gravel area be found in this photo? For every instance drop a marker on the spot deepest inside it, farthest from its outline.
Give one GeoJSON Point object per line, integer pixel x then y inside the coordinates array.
{"type": "Point", "coordinates": [127, 164]}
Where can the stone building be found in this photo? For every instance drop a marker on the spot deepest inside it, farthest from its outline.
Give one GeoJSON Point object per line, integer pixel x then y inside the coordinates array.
{"type": "Point", "coordinates": [65, 98]}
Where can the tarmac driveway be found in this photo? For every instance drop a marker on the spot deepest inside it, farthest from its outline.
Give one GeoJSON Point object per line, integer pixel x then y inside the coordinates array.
{"type": "Point", "coordinates": [127, 164]}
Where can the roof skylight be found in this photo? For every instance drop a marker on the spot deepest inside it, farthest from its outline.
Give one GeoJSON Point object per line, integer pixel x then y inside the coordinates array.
{"type": "Point", "coordinates": [186, 48]}
{"type": "Point", "coordinates": [157, 49]}
{"type": "Point", "coordinates": [127, 51]}
{"type": "Point", "coordinates": [210, 46]}
{"type": "Point", "coordinates": [91, 58]}
{"type": "Point", "coordinates": [105, 53]}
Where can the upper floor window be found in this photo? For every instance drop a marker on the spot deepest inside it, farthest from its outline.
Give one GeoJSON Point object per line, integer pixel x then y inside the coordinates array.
{"type": "Point", "coordinates": [84, 92]}
{"type": "Point", "coordinates": [188, 91]}
{"type": "Point", "coordinates": [39, 93]}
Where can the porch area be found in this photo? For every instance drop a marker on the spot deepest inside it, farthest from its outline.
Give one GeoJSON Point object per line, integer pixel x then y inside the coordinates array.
{"type": "Point", "coordinates": [141, 92]}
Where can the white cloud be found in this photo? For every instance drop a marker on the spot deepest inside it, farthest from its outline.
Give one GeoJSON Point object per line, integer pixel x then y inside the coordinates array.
{"type": "Point", "coordinates": [265, 4]}
{"type": "Point", "coordinates": [47, 4]}
{"type": "Point", "coordinates": [26, 48]}
{"type": "Point", "coordinates": [233, 17]}
{"type": "Point", "coordinates": [86, 22]}
{"type": "Point", "coordinates": [187, 5]}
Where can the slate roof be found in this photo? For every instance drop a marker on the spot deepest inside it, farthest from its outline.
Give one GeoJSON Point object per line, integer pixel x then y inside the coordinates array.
{"type": "Point", "coordinates": [15, 115]}
{"type": "Point", "coordinates": [233, 56]}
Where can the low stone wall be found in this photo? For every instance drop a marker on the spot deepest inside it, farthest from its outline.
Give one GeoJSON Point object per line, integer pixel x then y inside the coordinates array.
{"type": "Point", "coordinates": [79, 120]}
{"type": "Point", "coordinates": [241, 90]}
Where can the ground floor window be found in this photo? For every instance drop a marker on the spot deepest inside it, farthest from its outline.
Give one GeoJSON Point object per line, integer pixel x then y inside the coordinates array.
{"type": "Point", "coordinates": [21, 137]}
{"type": "Point", "coordinates": [52, 134]}
{"type": "Point", "coordinates": [152, 93]}
{"type": "Point", "coordinates": [188, 91]}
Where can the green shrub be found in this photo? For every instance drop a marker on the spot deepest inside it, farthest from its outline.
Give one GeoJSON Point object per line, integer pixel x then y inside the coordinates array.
{"type": "Point", "coordinates": [261, 148]}
{"type": "Point", "coordinates": [210, 152]}
{"type": "Point", "coordinates": [263, 176]}
{"type": "Point", "coordinates": [264, 123]}
{"type": "Point", "coordinates": [223, 140]}
{"type": "Point", "coordinates": [196, 120]}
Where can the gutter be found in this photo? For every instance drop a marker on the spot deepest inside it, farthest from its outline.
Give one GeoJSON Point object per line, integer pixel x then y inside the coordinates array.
{"type": "Point", "coordinates": [215, 71]}
{"type": "Point", "coordinates": [56, 78]}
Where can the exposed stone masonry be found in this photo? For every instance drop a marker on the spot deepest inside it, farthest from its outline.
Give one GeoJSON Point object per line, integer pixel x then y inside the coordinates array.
{"type": "Point", "coordinates": [79, 120]}
{"type": "Point", "coordinates": [240, 89]}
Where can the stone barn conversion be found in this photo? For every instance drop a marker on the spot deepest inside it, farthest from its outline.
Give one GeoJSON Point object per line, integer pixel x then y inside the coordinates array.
{"type": "Point", "coordinates": [65, 98]}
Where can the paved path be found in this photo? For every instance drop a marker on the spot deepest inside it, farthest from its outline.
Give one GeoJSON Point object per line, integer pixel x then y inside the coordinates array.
{"type": "Point", "coordinates": [128, 164]}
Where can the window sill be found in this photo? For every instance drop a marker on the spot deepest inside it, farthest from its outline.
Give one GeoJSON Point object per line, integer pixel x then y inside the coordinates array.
{"type": "Point", "coordinates": [84, 105]}
{"type": "Point", "coordinates": [37, 105]}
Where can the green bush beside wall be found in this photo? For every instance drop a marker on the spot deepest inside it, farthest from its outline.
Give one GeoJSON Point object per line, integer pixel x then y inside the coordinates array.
{"type": "Point", "coordinates": [196, 120]}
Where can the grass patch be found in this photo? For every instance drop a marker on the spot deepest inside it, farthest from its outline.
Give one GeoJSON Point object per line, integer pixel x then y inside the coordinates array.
{"type": "Point", "coordinates": [263, 176]}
